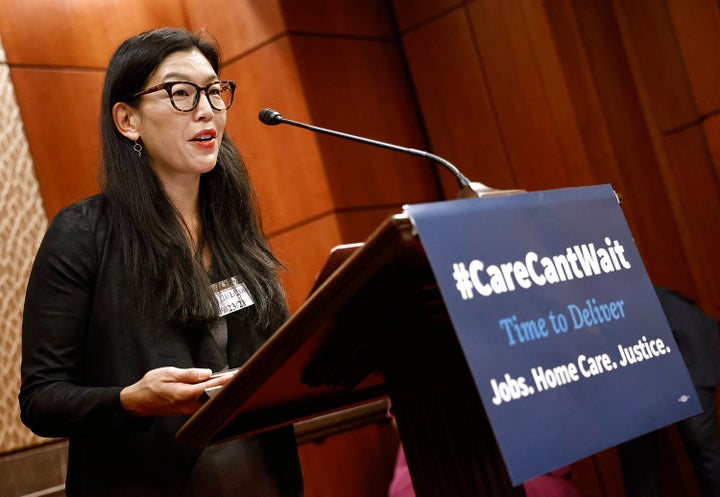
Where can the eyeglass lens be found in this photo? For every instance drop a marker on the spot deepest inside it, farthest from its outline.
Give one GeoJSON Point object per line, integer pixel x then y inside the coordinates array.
{"type": "Point", "coordinates": [185, 96]}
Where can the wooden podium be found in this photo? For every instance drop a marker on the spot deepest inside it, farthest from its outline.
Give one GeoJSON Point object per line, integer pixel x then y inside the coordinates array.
{"type": "Point", "coordinates": [376, 327]}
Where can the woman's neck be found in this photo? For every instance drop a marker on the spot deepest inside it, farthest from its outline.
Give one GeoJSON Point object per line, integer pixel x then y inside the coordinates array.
{"type": "Point", "coordinates": [184, 196]}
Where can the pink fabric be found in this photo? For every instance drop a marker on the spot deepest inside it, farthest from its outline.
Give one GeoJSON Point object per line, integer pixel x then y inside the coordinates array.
{"type": "Point", "coordinates": [554, 484]}
{"type": "Point", "coordinates": [401, 484]}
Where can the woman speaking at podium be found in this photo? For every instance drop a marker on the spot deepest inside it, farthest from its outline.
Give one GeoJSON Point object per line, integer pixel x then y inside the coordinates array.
{"type": "Point", "coordinates": [138, 293]}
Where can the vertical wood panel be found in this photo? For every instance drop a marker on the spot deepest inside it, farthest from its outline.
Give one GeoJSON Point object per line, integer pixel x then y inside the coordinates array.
{"type": "Point", "coordinates": [560, 104]}
{"type": "Point", "coordinates": [361, 463]}
{"type": "Point", "coordinates": [285, 164]}
{"type": "Point", "coordinates": [697, 24]}
{"type": "Point", "coordinates": [239, 26]}
{"type": "Point", "coordinates": [645, 201]}
{"type": "Point", "coordinates": [521, 102]}
{"type": "Point", "coordinates": [360, 87]}
{"type": "Point", "coordinates": [353, 18]}
{"type": "Point", "coordinates": [303, 251]}
{"type": "Point", "coordinates": [457, 111]}
{"type": "Point", "coordinates": [712, 136]}
{"type": "Point", "coordinates": [60, 114]}
{"type": "Point", "coordinates": [659, 61]}
{"type": "Point", "coordinates": [582, 94]}
{"type": "Point", "coordinates": [79, 33]}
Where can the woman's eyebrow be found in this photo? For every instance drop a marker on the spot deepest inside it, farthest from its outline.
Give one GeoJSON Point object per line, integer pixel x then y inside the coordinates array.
{"type": "Point", "coordinates": [185, 77]}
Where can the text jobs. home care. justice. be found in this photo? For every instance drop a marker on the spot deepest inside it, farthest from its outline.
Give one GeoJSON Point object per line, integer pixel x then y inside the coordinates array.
{"type": "Point", "coordinates": [580, 261]}
{"type": "Point", "coordinates": [559, 323]}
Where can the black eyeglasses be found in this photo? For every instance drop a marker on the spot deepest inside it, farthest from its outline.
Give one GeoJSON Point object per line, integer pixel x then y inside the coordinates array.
{"type": "Point", "coordinates": [185, 95]}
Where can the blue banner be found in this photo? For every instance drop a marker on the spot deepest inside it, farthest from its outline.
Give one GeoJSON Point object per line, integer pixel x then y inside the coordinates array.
{"type": "Point", "coordinates": [559, 323]}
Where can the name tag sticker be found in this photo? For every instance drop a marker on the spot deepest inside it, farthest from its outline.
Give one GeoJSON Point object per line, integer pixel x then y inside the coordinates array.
{"type": "Point", "coordinates": [232, 295]}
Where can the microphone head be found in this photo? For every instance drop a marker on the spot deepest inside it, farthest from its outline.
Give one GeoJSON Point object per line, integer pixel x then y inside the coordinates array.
{"type": "Point", "coordinates": [270, 117]}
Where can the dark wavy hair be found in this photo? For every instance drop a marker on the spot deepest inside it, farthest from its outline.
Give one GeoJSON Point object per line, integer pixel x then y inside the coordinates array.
{"type": "Point", "coordinates": [159, 262]}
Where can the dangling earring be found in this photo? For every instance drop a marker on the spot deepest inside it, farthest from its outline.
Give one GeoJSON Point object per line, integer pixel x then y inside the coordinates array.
{"type": "Point", "coordinates": [138, 148]}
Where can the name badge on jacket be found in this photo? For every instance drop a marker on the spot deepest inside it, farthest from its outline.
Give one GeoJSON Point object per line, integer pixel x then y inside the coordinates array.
{"type": "Point", "coordinates": [232, 295]}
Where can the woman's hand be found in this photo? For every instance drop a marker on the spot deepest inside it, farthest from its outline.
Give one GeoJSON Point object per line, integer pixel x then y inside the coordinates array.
{"type": "Point", "coordinates": [169, 390]}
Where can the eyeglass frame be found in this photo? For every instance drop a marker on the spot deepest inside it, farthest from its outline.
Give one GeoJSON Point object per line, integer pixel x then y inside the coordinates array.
{"type": "Point", "coordinates": [167, 86]}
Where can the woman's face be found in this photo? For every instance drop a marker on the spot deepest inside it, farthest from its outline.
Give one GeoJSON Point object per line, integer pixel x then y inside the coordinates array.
{"type": "Point", "coordinates": [180, 145]}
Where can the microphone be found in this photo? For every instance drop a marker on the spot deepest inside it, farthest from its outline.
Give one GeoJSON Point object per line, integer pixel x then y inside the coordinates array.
{"type": "Point", "coordinates": [272, 117]}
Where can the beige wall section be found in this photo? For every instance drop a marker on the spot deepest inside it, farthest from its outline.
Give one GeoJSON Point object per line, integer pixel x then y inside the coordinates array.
{"type": "Point", "coordinates": [22, 224]}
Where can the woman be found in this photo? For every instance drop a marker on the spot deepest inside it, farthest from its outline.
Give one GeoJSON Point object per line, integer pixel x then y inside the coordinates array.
{"type": "Point", "coordinates": [124, 320]}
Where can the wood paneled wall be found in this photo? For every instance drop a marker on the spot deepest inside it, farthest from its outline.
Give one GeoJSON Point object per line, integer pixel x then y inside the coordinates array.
{"type": "Point", "coordinates": [535, 94]}
{"type": "Point", "coordinates": [334, 64]}
{"type": "Point", "coordinates": [549, 94]}
{"type": "Point", "coordinates": [324, 62]}
{"type": "Point", "coordinates": [525, 94]}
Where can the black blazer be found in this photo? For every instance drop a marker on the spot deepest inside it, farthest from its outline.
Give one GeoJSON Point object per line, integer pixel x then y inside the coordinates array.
{"type": "Point", "coordinates": [84, 340]}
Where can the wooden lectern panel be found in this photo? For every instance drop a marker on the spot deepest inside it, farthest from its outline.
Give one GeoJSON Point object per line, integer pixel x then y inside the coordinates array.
{"type": "Point", "coordinates": [268, 392]}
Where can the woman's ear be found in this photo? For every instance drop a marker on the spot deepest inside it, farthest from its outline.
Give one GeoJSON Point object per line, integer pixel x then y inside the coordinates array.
{"type": "Point", "coordinates": [126, 119]}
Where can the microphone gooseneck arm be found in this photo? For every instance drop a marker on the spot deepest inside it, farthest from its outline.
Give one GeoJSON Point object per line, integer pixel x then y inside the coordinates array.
{"type": "Point", "coordinates": [272, 117]}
